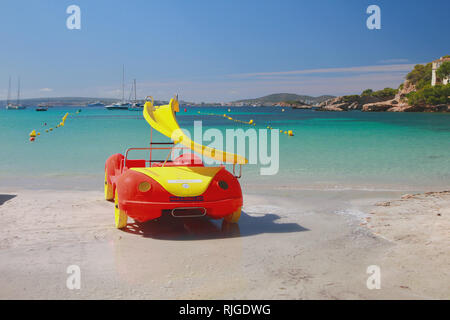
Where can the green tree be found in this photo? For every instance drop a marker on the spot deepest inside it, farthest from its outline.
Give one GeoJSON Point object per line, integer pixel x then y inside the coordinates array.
{"type": "Point", "coordinates": [367, 92]}
{"type": "Point", "coordinates": [385, 94]}
{"type": "Point", "coordinates": [444, 70]}
{"type": "Point", "coordinates": [429, 95]}
{"type": "Point", "coordinates": [420, 76]}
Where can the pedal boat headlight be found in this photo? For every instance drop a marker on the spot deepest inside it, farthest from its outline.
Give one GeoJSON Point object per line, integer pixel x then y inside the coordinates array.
{"type": "Point", "coordinates": [144, 186]}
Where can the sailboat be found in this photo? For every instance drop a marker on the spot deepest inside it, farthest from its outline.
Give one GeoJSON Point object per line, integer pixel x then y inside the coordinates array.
{"type": "Point", "coordinates": [11, 106]}
{"type": "Point", "coordinates": [135, 106]}
{"type": "Point", "coordinates": [120, 105]}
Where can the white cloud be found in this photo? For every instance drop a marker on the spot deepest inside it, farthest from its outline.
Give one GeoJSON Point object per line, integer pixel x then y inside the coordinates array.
{"type": "Point", "coordinates": [359, 69]}
{"type": "Point", "coordinates": [46, 90]}
{"type": "Point", "coordinates": [225, 89]}
{"type": "Point", "coordinates": [394, 61]}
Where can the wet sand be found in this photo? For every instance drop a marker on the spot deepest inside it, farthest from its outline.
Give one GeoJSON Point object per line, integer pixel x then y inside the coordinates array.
{"type": "Point", "coordinates": [299, 245]}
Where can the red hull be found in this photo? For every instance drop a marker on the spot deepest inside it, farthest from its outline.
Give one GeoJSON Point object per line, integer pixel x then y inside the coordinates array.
{"type": "Point", "coordinates": [216, 201]}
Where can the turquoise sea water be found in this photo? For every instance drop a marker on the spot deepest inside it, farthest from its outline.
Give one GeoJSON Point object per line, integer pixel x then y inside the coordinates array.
{"type": "Point", "coordinates": [329, 150]}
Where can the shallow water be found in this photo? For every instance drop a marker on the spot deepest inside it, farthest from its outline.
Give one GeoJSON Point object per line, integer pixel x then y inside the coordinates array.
{"type": "Point", "coordinates": [351, 150]}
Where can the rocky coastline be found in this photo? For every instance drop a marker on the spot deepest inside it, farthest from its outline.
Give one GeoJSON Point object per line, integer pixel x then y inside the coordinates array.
{"type": "Point", "coordinates": [375, 104]}
{"type": "Point", "coordinates": [295, 105]}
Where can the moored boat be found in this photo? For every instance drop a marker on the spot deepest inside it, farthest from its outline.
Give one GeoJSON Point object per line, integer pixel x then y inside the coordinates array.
{"type": "Point", "coordinates": [135, 105]}
{"type": "Point", "coordinates": [120, 105]}
{"type": "Point", "coordinates": [96, 104]}
{"type": "Point", "coordinates": [43, 106]}
{"type": "Point", "coordinates": [17, 105]}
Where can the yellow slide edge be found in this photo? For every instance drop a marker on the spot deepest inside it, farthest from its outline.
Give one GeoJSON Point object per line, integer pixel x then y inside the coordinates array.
{"type": "Point", "coordinates": [162, 118]}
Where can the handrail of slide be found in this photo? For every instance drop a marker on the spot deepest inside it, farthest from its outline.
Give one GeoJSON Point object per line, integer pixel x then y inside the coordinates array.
{"type": "Point", "coordinates": [162, 118]}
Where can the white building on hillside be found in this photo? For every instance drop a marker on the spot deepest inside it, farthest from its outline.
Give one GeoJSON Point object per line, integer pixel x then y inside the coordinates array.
{"type": "Point", "coordinates": [436, 64]}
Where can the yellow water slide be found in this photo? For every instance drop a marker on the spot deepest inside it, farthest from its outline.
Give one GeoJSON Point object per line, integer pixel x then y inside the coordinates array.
{"type": "Point", "coordinates": [162, 118]}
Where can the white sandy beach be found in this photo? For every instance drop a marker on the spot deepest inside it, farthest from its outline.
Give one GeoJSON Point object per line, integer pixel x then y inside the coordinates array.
{"type": "Point", "coordinates": [304, 245]}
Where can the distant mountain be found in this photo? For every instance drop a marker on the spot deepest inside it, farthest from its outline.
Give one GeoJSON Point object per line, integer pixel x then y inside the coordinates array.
{"type": "Point", "coordinates": [281, 97]}
{"type": "Point", "coordinates": [62, 101]}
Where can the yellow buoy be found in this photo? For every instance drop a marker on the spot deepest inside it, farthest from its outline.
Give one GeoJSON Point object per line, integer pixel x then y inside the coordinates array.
{"type": "Point", "coordinates": [290, 133]}
{"type": "Point", "coordinates": [33, 133]}
{"type": "Point", "coordinates": [38, 133]}
{"type": "Point", "coordinates": [251, 121]}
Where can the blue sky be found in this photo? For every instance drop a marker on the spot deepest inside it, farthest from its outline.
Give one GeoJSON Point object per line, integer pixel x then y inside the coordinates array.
{"type": "Point", "coordinates": [216, 50]}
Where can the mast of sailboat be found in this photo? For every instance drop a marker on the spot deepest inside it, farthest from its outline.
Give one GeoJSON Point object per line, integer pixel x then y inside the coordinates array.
{"type": "Point", "coordinates": [135, 91]}
{"type": "Point", "coordinates": [9, 91]}
{"type": "Point", "coordinates": [18, 91]}
{"type": "Point", "coordinates": [123, 83]}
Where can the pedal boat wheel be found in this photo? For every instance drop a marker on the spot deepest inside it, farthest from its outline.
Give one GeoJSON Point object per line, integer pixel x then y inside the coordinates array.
{"type": "Point", "coordinates": [120, 216]}
{"type": "Point", "coordinates": [234, 217]}
{"type": "Point", "coordinates": [109, 192]}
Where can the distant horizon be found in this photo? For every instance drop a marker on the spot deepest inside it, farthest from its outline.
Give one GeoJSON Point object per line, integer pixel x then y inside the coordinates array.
{"type": "Point", "coordinates": [94, 99]}
{"type": "Point", "coordinates": [392, 81]}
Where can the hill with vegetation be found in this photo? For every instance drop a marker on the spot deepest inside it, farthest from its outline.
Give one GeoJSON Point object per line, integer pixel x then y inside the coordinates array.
{"type": "Point", "coordinates": [277, 98]}
{"type": "Point", "coordinates": [415, 94]}
{"type": "Point", "coordinates": [425, 94]}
